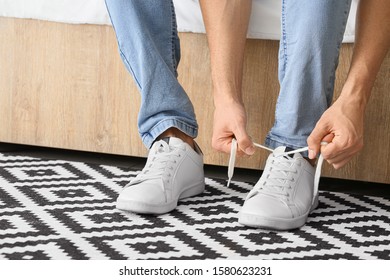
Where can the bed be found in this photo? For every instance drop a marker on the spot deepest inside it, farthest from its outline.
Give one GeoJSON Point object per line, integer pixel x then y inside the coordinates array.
{"type": "Point", "coordinates": [63, 85]}
{"type": "Point", "coordinates": [264, 23]}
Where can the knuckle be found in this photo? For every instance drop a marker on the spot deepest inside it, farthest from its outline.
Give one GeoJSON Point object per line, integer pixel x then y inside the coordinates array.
{"type": "Point", "coordinates": [327, 155]}
{"type": "Point", "coordinates": [310, 140]}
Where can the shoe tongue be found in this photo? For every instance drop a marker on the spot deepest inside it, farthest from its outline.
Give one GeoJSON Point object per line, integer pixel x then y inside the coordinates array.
{"type": "Point", "coordinates": [170, 142]}
{"type": "Point", "coordinates": [166, 139]}
{"type": "Point", "coordinates": [173, 141]}
{"type": "Point", "coordinates": [288, 149]}
{"type": "Point", "coordinates": [283, 149]}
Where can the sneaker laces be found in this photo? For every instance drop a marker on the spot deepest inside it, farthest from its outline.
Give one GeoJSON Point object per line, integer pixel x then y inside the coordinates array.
{"type": "Point", "coordinates": [282, 175]}
{"type": "Point", "coordinates": [281, 166]}
{"type": "Point", "coordinates": [160, 163]}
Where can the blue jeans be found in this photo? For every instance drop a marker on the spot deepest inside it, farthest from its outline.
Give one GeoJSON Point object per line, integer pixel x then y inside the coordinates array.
{"type": "Point", "coordinates": [312, 32]}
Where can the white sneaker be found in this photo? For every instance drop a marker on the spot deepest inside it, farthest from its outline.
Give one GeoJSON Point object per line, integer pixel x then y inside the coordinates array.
{"type": "Point", "coordinates": [283, 197]}
{"type": "Point", "coordinates": [173, 171]}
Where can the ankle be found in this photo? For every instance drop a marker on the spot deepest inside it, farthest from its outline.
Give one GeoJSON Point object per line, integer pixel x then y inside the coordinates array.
{"type": "Point", "coordinates": [174, 132]}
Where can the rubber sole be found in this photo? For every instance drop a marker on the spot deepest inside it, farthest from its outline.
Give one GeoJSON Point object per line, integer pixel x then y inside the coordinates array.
{"type": "Point", "coordinates": [256, 221]}
{"type": "Point", "coordinates": [145, 208]}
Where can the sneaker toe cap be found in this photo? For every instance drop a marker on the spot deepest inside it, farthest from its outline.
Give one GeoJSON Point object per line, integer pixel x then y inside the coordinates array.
{"type": "Point", "coordinates": [147, 193]}
{"type": "Point", "coordinates": [266, 206]}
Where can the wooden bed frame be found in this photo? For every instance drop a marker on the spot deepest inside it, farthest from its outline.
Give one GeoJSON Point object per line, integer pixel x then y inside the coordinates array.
{"type": "Point", "coordinates": [64, 86]}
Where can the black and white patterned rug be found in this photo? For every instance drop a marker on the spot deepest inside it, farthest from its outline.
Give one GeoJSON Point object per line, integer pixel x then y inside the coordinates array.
{"type": "Point", "coordinates": [55, 209]}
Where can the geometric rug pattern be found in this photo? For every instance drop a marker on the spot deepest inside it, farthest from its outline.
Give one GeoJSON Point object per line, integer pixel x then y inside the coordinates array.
{"type": "Point", "coordinates": [55, 209]}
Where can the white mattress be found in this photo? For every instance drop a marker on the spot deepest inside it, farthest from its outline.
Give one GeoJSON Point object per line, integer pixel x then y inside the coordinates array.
{"type": "Point", "coordinates": [264, 23]}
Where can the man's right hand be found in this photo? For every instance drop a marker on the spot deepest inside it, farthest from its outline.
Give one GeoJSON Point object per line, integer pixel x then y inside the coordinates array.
{"type": "Point", "coordinates": [229, 123]}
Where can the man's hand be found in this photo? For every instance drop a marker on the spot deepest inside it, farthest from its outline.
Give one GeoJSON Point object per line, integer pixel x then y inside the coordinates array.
{"type": "Point", "coordinates": [226, 24]}
{"type": "Point", "coordinates": [229, 123]}
{"type": "Point", "coordinates": [342, 127]}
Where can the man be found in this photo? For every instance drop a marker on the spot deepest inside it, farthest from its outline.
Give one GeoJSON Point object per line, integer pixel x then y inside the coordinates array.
{"type": "Point", "coordinates": [311, 37]}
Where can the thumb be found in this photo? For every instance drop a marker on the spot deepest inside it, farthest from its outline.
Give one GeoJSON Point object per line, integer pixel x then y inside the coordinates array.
{"type": "Point", "coordinates": [245, 142]}
{"type": "Point", "coordinates": [319, 133]}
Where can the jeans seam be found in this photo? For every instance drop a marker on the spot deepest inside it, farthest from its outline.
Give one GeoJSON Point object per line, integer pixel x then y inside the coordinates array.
{"type": "Point", "coordinates": [284, 35]}
{"type": "Point", "coordinates": [120, 48]}
{"type": "Point", "coordinates": [284, 44]}
{"type": "Point", "coordinates": [335, 63]}
{"type": "Point", "coordinates": [131, 69]}
{"type": "Point", "coordinates": [173, 34]}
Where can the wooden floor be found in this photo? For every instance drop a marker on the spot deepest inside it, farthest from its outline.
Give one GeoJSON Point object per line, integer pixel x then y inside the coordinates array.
{"type": "Point", "coordinates": [64, 86]}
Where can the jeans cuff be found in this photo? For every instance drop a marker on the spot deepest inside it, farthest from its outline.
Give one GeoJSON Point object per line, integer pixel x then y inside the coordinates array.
{"type": "Point", "coordinates": [272, 143]}
{"type": "Point", "coordinates": [149, 137]}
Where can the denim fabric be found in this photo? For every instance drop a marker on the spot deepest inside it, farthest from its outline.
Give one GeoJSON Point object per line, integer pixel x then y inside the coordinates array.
{"type": "Point", "coordinates": [312, 31]}
{"type": "Point", "coordinates": [150, 49]}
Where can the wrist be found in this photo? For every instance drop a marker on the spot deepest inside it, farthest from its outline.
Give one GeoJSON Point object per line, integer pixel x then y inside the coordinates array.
{"type": "Point", "coordinates": [357, 91]}
{"type": "Point", "coordinates": [226, 96]}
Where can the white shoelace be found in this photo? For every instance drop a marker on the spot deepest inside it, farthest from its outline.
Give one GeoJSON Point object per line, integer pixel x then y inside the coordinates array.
{"type": "Point", "coordinates": [160, 163]}
{"type": "Point", "coordinates": [317, 175]}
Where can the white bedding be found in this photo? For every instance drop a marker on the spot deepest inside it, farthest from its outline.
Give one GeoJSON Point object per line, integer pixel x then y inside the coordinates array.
{"type": "Point", "coordinates": [264, 23]}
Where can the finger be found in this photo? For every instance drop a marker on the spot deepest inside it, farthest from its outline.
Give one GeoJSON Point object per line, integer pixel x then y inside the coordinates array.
{"type": "Point", "coordinates": [341, 163]}
{"type": "Point", "coordinates": [328, 138]}
{"type": "Point", "coordinates": [331, 150]}
{"type": "Point", "coordinates": [324, 142]}
{"type": "Point", "coordinates": [224, 145]}
{"type": "Point", "coordinates": [314, 140]}
{"type": "Point", "coordinates": [339, 157]}
{"type": "Point", "coordinates": [245, 143]}
{"type": "Point", "coordinates": [339, 147]}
